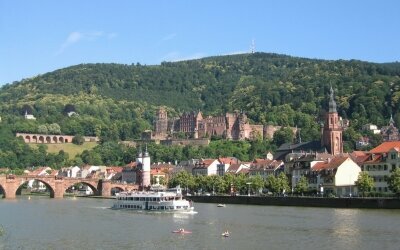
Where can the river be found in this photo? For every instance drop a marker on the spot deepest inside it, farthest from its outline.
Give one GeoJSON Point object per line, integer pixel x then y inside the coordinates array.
{"type": "Point", "coordinates": [84, 223]}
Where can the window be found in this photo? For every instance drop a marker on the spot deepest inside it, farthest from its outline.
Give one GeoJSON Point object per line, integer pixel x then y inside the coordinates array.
{"type": "Point", "coordinates": [393, 156]}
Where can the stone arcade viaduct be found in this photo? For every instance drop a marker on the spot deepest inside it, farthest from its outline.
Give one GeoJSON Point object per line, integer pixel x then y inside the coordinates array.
{"type": "Point", "coordinates": [11, 184]}
{"type": "Point", "coordinates": [51, 139]}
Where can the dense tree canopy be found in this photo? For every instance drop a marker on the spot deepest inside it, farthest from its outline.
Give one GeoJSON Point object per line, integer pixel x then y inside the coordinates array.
{"type": "Point", "coordinates": [118, 102]}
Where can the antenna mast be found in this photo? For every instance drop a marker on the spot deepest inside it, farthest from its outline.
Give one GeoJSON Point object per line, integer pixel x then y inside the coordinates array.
{"type": "Point", "coordinates": [253, 46]}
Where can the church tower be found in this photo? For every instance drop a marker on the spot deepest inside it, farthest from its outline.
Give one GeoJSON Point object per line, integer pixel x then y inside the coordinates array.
{"type": "Point", "coordinates": [332, 132]}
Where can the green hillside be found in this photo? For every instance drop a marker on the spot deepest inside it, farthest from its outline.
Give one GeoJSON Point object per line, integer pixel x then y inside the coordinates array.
{"type": "Point", "coordinates": [118, 102]}
{"type": "Point", "coordinates": [256, 83]}
{"type": "Point", "coordinates": [71, 149]}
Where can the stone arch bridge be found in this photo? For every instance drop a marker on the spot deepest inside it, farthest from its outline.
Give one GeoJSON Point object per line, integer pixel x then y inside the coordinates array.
{"type": "Point", "coordinates": [57, 186]}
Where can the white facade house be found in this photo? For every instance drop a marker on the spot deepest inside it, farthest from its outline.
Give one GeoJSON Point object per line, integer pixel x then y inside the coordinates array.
{"type": "Point", "coordinates": [301, 165]}
{"type": "Point", "coordinates": [380, 162]}
{"type": "Point", "coordinates": [206, 167]}
{"type": "Point", "coordinates": [224, 164]}
{"type": "Point", "coordinates": [337, 176]}
{"type": "Point", "coordinates": [72, 172]}
{"type": "Point", "coordinates": [265, 167]}
{"type": "Point", "coordinates": [29, 116]}
{"type": "Point", "coordinates": [371, 127]}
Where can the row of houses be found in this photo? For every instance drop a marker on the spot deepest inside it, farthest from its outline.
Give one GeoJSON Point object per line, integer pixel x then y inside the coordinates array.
{"type": "Point", "coordinates": [325, 173]}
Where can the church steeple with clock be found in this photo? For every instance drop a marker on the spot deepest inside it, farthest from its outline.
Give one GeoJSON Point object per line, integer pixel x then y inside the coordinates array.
{"type": "Point", "coordinates": [332, 132]}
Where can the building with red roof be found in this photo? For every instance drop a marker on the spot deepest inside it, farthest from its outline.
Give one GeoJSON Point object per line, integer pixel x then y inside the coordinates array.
{"type": "Point", "coordinates": [266, 167]}
{"type": "Point", "coordinates": [337, 175]}
{"type": "Point", "coordinates": [238, 168]}
{"type": "Point", "coordinates": [379, 163]}
{"type": "Point", "coordinates": [205, 167]}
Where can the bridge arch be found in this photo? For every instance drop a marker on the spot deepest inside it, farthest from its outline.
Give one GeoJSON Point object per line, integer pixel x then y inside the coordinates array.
{"type": "Point", "coordinates": [3, 191]}
{"type": "Point", "coordinates": [90, 185]}
{"type": "Point", "coordinates": [34, 139]}
{"type": "Point", "coordinates": [48, 186]}
{"type": "Point", "coordinates": [41, 139]}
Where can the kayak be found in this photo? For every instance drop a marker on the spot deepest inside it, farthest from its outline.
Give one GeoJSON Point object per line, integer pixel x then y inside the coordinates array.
{"type": "Point", "coordinates": [181, 232]}
{"type": "Point", "coordinates": [225, 234]}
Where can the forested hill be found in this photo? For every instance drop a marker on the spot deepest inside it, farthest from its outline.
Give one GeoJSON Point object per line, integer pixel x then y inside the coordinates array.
{"type": "Point", "coordinates": [271, 88]}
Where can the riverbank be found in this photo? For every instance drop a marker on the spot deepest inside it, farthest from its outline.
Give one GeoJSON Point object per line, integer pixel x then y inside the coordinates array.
{"type": "Point", "coordinates": [381, 203]}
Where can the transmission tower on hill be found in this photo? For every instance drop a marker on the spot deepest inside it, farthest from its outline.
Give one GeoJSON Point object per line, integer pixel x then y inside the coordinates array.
{"type": "Point", "coordinates": [253, 46]}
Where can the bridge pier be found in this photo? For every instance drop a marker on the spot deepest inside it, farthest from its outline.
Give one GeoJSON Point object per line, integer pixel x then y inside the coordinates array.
{"type": "Point", "coordinates": [10, 188]}
{"type": "Point", "coordinates": [105, 190]}
{"type": "Point", "coordinates": [58, 190]}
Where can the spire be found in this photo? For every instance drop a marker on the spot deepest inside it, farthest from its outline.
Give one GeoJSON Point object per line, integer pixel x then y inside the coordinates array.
{"type": "Point", "coordinates": [391, 121]}
{"type": "Point", "coordinates": [298, 135]}
{"type": "Point", "coordinates": [140, 152]}
{"type": "Point", "coordinates": [332, 103]}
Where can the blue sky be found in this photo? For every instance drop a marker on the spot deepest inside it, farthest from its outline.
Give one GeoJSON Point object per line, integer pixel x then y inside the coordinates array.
{"type": "Point", "coordinates": [41, 36]}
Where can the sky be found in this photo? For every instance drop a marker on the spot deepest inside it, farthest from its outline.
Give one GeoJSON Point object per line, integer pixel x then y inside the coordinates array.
{"type": "Point", "coordinates": [37, 37]}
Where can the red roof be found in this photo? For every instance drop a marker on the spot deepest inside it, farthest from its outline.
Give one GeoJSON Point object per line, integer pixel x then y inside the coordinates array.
{"type": "Point", "coordinates": [265, 164]}
{"type": "Point", "coordinates": [205, 163]}
{"type": "Point", "coordinates": [132, 164]}
{"type": "Point", "coordinates": [359, 156]}
{"type": "Point", "coordinates": [386, 147]}
{"type": "Point", "coordinates": [332, 164]}
{"type": "Point", "coordinates": [38, 171]}
{"type": "Point", "coordinates": [374, 159]}
{"type": "Point", "coordinates": [114, 169]}
{"type": "Point", "coordinates": [233, 168]}
{"type": "Point", "coordinates": [228, 160]}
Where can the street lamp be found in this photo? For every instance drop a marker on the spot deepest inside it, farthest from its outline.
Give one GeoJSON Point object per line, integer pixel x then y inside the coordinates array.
{"type": "Point", "coordinates": [248, 190]}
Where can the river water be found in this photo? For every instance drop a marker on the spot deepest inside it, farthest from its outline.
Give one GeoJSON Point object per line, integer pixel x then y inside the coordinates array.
{"type": "Point", "coordinates": [83, 223]}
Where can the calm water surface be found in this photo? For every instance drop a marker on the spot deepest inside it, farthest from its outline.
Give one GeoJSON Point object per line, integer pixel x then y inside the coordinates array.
{"type": "Point", "coordinates": [44, 223]}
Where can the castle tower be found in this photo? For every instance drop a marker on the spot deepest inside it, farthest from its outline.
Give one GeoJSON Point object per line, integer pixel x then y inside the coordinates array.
{"type": "Point", "coordinates": [161, 122]}
{"type": "Point", "coordinates": [332, 131]}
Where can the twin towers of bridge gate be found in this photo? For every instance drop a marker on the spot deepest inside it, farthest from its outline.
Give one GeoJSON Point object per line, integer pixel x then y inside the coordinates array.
{"type": "Point", "coordinates": [143, 160]}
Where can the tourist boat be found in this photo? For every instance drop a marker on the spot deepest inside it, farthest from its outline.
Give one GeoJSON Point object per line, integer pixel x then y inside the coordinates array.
{"type": "Point", "coordinates": [221, 205]}
{"type": "Point", "coordinates": [155, 200]}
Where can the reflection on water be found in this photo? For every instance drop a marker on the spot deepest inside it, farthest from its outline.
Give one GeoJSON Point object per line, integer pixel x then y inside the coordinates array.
{"type": "Point", "coordinates": [42, 223]}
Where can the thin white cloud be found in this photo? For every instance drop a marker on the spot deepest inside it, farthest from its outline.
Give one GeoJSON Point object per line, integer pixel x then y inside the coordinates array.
{"type": "Point", "coordinates": [236, 52]}
{"type": "Point", "coordinates": [111, 35]}
{"type": "Point", "coordinates": [76, 36]}
{"type": "Point", "coordinates": [169, 37]}
{"type": "Point", "coordinates": [175, 56]}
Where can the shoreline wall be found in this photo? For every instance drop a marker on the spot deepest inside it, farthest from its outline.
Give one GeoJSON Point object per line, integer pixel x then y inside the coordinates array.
{"type": "Point", "coordinates": [385, 203]}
